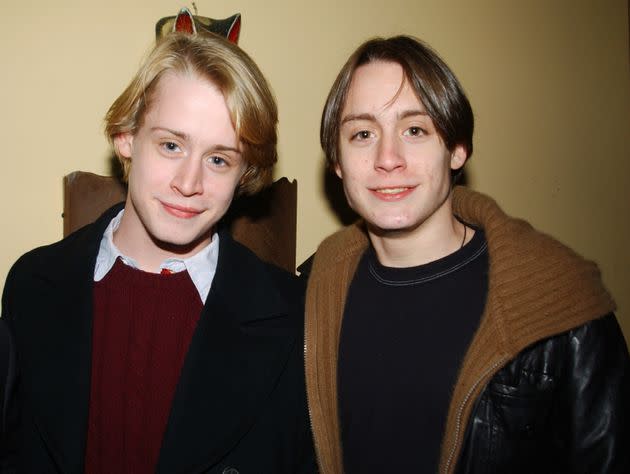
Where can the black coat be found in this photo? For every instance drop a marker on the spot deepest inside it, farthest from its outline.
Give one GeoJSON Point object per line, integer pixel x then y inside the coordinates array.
{"type": "Point", "coordinates": [239, 406]}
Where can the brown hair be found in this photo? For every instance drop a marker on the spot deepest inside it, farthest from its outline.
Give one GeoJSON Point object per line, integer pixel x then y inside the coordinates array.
{"type": "Point", "coordinates": [432, 80]}
{"type": "Point", "coordinates": [248, 97]}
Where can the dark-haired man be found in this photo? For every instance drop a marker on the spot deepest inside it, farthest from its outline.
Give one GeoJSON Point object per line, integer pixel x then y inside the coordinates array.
{"type": "Point", "coordinates": [441, 334]}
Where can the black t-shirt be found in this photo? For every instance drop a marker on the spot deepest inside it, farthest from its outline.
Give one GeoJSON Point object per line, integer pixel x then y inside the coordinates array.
{"type": "Point", "coordinates": [404, 334]}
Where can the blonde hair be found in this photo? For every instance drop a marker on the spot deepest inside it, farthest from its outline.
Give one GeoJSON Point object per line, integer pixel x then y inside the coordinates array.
{"type": "Point", "coordinates": [248, 97]}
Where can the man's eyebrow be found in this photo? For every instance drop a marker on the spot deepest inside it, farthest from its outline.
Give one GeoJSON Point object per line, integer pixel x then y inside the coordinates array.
{"type": "Point", "coordinates": [353, 117]}
{"type": "Point", "coordinates": [226, 148]}
{"type": "Point", "coordinates": [412, 113]}
{"type": "Point", "coordinates": [371, 118]}
{"type": "Point", "coordinates": [184, 136]}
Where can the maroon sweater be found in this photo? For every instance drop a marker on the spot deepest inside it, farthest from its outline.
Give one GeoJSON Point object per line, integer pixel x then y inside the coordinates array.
{"type": "Point", "coordinates": [143, 324]}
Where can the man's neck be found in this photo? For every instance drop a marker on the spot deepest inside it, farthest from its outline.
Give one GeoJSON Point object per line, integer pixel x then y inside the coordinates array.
{"type": "Point", "coordinates": [148, 253]}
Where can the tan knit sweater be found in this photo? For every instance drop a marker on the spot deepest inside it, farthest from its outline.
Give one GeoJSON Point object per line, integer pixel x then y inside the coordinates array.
{"type": "Point", "coordinates": [537, 288]}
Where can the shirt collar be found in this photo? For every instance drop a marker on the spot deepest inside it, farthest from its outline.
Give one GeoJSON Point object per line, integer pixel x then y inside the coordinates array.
{"type": "Point", "coordinates": [201, 267]}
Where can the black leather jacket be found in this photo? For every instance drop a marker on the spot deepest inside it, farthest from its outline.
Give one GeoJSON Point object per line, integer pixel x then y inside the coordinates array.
{"type": "Point", "coordinates": [561, 406]}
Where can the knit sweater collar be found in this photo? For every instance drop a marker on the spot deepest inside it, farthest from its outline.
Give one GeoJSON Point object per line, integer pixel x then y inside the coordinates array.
{"type": "Point", "coordinates": [542, 287]}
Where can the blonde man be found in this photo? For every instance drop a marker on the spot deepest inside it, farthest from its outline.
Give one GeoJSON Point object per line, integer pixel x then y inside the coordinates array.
{"type": "Point", "coordinates": [150, 341]}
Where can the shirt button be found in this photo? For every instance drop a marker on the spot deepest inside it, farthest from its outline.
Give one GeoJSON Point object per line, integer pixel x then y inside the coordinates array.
{"type": "Point", "coordinates": [230, 470]}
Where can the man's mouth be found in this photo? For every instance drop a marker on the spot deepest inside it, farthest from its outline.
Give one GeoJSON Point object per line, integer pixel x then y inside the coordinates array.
{"type": "Point", "coordinates": [392, 193]}
{"type": "Point", "coordinates": [183, 212]}
{"type": "Point", "coordinates": [391, 190]}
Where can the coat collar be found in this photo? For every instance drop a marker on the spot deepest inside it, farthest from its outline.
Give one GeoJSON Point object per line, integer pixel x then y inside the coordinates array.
{"type": "Point", "coordinates": [237, 353]}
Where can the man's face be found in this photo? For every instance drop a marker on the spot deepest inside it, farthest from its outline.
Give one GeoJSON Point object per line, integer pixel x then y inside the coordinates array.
{"type": "Point", "coordinates": [185, 166]}
{"type": "Point", "coordinates": [394, 166]}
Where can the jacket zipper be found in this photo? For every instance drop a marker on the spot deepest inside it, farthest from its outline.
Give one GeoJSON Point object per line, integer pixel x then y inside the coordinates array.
{"type": "Point", "coordinates": [458, 423]}
{"type": "Point", "coordinates": [308, 406]}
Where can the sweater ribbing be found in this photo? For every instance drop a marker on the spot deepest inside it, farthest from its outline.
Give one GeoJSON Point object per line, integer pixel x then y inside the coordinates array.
{"type": "Point", "coordinates": [143, 324]}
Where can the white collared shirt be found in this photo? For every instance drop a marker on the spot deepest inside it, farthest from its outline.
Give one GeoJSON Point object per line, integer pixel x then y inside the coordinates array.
{"type": "Point", "coordinates": [201, 267]}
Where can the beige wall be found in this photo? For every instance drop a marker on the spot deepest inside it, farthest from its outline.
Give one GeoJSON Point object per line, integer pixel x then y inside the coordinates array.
{"type": "Point", "coordinates": [549, 82]}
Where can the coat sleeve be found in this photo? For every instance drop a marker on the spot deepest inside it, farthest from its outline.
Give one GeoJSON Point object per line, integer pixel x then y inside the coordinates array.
{"type": "Point", "coordinates": [598, 376]}
{"type": "Point", "coordinates": [8, 376]}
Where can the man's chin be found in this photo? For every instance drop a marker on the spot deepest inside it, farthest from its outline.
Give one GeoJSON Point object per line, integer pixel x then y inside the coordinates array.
{"type": "Point", "coordinates": [389, 229]}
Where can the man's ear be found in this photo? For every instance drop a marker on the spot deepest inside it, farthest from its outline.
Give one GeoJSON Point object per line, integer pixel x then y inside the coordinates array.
{"type": "Point", "coordinates": [458, 157]}
{"type": "Point", "coordinates": [123, 143]}
{"type": "Point", "coordinates": [337, 169]}
{"type": "Point", "coordinates": [246, 174]}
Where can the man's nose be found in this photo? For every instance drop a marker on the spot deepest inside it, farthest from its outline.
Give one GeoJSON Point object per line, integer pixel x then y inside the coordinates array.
{"type": "Point", "coordinates": [389, 154]}
{"type": "Point", "coordinates": [188, 180]}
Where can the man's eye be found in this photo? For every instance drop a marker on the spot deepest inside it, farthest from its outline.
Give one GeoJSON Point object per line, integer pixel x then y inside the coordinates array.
{"type": "Point", "coordinates": [217, 161]}
{"type": "Point", "coordinates": [414, 132]}
{"type": "Point", "coordinates": [362, 135]}
{"type": "Point", "coordinates": [170, 146]}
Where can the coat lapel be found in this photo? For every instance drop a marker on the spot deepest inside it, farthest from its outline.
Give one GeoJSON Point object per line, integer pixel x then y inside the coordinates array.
{"type": "Point", "coordinates": [59, 378]}
{"type": "Point", "coordinates": [237, 353]}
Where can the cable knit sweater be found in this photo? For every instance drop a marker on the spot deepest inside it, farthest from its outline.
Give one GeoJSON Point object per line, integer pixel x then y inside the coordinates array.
{"type": "Point", "coordinates": [537, 288]}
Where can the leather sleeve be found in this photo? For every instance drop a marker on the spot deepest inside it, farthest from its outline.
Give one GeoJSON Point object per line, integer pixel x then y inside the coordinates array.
{"type": "Point", "coordinates": [598, 385]}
